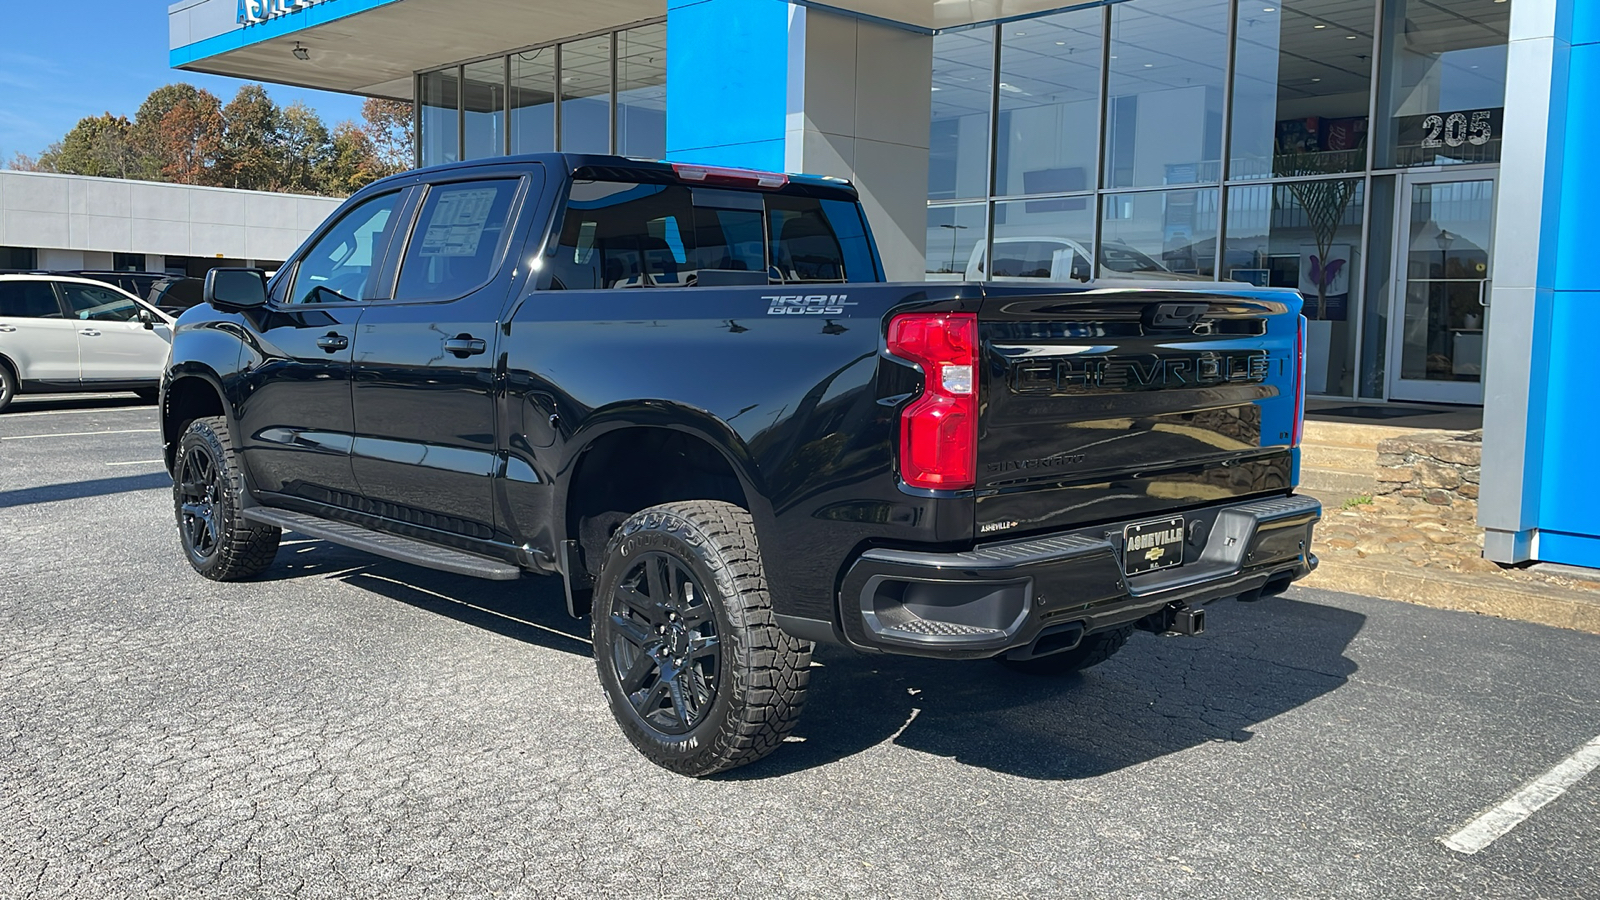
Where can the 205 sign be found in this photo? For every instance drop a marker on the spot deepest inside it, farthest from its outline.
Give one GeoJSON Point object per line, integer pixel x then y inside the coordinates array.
{"type": "Point", "coordinates": [1457, 134]}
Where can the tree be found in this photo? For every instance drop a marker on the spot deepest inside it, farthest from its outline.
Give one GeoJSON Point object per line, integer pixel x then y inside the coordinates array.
{"type": "Point", "coordinates": [1324, 202]}
{"type": "Point", "coordinates": [251, 134]}
{"type": "Point", "coordinates": [304, 148]}
{"type": "Point", "coordinates": [97, 145]}
{"type": "Point", "coordinates": [390, 126]}
{"type": "Point", "coordinates": [148, 135]}
{"type": "Point", "coordinates": [191, 140]}
{"type": "Point", "coordinates": [23, 162]}
{"type": "Point", "coordinates": [184, 134]}
{"type": "Point", "coordinates": [352, 164]}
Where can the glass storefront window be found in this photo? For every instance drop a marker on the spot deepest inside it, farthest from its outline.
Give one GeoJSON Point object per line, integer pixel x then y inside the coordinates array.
{"type": "Point", "coordinates": [586, 95]}
{"type": "Point", "coordinates": [1306, 235]}
{"type": "Point", "coordinates": [1445, 67]}
{"type": "Point", "coordinates": [532, 95]}
{"type": "Point", "coordinates": [1168, 66]}
{"type": "Point", "coordinates": [1048, 241]}
{"type": "Point", "coordinates": [1372, 376]}
{"type": "Point", "coordinates": [1042, 240]}
{"type": "Point", "coordinates": [1302, 87]}
{"type": "Point", "coordinates": [955, 241]}
{"type": "Point", "coordinates": [483, 105]}
{"type": "Point", "coordinates": [440, 137]}
{"type": "Point", "coordinates": [958, 138]}
{"type": "Point", "coordinates": [1160, 234]}
{"type": "Point", "coordinates": [642, 92]}
{"type": "Point", "coordinates": [1049, 104]}
{"type": "Point", "coordinates": [19, 258]}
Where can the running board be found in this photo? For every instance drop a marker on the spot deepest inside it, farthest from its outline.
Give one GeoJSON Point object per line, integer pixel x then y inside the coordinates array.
{"type": "Point", "coordinates": [383, 544]}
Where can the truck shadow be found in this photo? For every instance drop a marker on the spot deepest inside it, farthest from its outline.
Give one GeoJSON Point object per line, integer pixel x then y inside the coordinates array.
{"type": "Point", "coordinates": [1157, 697]}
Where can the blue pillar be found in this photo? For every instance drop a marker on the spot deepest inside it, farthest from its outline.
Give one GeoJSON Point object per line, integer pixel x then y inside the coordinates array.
{"type": "Point", "coordinates": [727, 78]}
{"type": "Point", "coordinates": [1569, 497]}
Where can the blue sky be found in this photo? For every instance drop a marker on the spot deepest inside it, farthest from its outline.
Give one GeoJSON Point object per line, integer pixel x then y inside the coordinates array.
{"type": "Point", "coordinates": [61, 60]}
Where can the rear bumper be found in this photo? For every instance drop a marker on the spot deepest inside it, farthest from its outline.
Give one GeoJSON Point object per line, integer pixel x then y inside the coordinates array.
{"type": "Point", "coordinates": [1000, 598]}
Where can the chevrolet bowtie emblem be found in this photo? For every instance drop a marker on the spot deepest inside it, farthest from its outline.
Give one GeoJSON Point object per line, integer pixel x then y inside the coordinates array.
{"type": "Point", "coordinates": [1155, 553]}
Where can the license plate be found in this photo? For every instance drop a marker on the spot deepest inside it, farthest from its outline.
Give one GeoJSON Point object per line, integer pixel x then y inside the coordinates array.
{"type": "Point", "coordinates": [1149, 546]}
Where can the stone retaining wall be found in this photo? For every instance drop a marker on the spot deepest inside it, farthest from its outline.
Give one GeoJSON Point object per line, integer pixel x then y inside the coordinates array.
{"type": "Point", "coordinates": [1440, 467]}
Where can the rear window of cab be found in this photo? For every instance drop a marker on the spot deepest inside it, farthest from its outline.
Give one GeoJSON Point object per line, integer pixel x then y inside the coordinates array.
{"type": "Point", "coordinates": [629, 235]}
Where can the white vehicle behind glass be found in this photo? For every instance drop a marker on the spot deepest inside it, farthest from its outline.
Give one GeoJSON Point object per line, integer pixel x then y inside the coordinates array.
{"type": "Point", "coordinates": [1058, 260]}
{"type": "Point", "coordinates": [60, 334]}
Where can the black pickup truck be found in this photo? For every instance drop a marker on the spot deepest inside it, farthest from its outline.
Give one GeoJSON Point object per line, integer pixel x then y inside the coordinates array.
{"type": "Point", "coordinates": [688, 392]}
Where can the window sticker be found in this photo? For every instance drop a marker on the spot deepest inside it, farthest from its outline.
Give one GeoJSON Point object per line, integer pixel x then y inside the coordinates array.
{"type": "Point", "coordinates": [458, 222]}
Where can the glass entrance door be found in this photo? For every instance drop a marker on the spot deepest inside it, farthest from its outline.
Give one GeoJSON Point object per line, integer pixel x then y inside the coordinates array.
{"type": "Point", "coordinates": [1442, 275]}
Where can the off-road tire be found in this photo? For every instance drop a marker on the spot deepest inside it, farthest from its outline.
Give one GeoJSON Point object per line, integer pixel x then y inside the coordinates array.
{"type": "Point", "coordinates": [760, 673]}
{"type": "Point", "coordinates": [1091, 651]}
{"type": "Point", "coordinates": [231, 549]}
{"type": "Point", "coordinates": [8, 386]}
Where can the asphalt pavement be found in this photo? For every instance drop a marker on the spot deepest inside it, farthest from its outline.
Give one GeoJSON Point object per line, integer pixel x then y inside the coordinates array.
{"type": "Point", "coordinates": [352, 727]}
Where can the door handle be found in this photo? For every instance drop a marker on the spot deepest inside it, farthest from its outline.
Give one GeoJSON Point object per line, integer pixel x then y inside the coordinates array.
{"type": "Point", "coordinates": [465, 345]}
{"type": "Point", "coordinates": [8, 328]}
{"type": "Point", "coordinates": [90, 332]}
{"type": "Point", "coordinates": [1483, 293]}
{"type": "Point", "coordinates": [333, 342]}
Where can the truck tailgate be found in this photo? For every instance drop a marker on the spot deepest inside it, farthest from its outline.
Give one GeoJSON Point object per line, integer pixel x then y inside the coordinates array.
{"type": "Point", "coordinates": [1117, 404]}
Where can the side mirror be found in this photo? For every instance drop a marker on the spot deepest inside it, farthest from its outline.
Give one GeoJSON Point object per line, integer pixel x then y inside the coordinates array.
{"type": "Point", "coordinates": [236, 288]}
{"type": "Point", "coordinates": [1081, 270]}
{"type": "Point", "coordinates": [147, 319]}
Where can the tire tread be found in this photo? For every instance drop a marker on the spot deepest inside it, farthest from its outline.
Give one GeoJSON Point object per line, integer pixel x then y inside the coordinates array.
{"type": "Point", "coordinates": [776, 666]}
{"type": "Point", "coordinates": [246, 550]}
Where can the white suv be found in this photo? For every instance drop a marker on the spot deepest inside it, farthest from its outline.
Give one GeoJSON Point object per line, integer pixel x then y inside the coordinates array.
{"type": "Point", "coordinates": [74, 334]}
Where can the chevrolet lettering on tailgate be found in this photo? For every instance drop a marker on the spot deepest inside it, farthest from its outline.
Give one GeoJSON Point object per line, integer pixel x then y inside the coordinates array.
{"type": "Point", "coordinates": [1072, 375]}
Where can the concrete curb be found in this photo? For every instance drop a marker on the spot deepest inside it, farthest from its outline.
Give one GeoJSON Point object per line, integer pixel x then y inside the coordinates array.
{"type": "Point", "coordinates": [1489, 595]}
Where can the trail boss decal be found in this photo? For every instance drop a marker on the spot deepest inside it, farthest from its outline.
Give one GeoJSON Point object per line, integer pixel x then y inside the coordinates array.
{"type": "Point", "coordinates": [807, 304]}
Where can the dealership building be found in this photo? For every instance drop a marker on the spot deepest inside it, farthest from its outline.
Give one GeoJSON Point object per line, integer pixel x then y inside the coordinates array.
{"type": "Point", "coordinates": [1413, 167]}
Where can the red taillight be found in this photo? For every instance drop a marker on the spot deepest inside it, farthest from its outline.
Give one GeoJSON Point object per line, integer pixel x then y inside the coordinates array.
{"type": "Point", "coordinates": [1300, 382]}
{"type": "Point", "coordinates": [939, 429]}
{"type": "Point", "coordinates": [731, 177]}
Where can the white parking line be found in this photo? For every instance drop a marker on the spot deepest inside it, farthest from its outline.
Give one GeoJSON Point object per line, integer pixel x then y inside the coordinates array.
{"type": "Point", "coordinates": [34, 437]}
{"type": "Point", "coordinates": [1485, 829]}
{"type": "Point", "coordinates": [88, 410]}
{"type": "Point", "coordinates": [138, 462]}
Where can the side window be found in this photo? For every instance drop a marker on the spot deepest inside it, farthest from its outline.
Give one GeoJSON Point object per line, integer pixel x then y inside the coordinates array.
{"type": "Point", "coordinates": [457, 239]}
{"type": "Point", "coordinates": [850, 226]}
{"type": "Point", "coordinates": [28, 300]}
{"type": "Point", "coordinates": [336, 268]}
{"type": "Point", "coordinates": [99, 304]}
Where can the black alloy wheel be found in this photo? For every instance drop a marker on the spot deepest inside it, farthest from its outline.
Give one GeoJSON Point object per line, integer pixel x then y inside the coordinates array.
{"type": "Point", "coordinates": [217, 540]}
{"type": "Point", "coordinates": [199, 485]}
{"type": "Point", "coordinates": [664, 652]}
{"type": "Point", "coordinates": [694, 666]}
